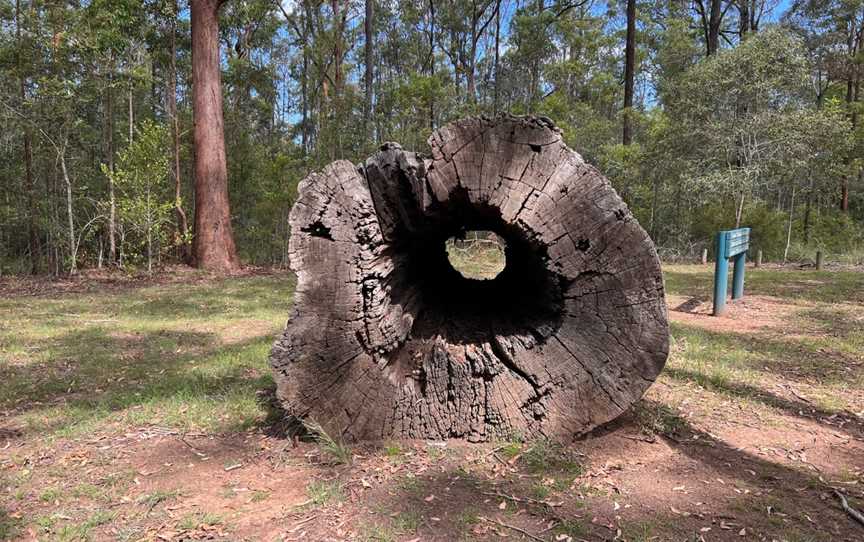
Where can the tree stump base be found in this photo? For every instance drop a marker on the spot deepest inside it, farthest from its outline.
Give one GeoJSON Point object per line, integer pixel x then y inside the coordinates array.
{"type": "Point", "coordinates": [387, 340]}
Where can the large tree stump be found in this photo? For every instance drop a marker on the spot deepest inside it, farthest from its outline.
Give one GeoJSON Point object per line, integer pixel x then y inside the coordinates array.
{"type": "Point", "coordinates": [386, 339]}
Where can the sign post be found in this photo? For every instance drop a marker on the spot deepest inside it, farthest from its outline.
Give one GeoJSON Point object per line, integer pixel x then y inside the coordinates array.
{"type": "Point", "coordinates": [730, 244]}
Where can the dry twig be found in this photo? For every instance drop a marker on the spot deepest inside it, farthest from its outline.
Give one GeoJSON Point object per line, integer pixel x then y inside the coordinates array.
{"type": "Point", "coordinates": [856, 515]}
{"type": "Point", "coordinates": [513, 528]}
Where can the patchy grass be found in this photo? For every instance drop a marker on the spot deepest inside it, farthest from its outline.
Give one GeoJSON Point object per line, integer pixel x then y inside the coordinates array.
{"type": "Point", "coordinates": [481, 260]}
{"type": "Point", "coordinates": [544, 457]}
{"type": "Point", "coordinates": [788, 283]}
{"type": "Point", "coordinates": [324, 492]}
{"type": "Point", "coordinates": [191, 357]}
{"type": "Point", "coordinates": [155, 498]}
{"type": "Point", "coordinates": [196, 521]}
{"type": "Point", "coordinates": [337, 452]}
{"type": "Point", "coordinates": [113, 399]}
{"type": "Point", "coordinates": [9, 526]}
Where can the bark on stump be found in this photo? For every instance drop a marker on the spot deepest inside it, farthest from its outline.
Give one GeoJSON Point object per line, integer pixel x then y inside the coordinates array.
{"type": "Point", "coordinates": [386, 339]}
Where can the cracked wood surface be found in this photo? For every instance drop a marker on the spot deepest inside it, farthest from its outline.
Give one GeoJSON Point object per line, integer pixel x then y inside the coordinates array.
{"type": "Point", "coordinates": [386, 339]}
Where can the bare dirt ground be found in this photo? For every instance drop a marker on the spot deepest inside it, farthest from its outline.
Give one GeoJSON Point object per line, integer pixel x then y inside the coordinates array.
{"type": "Point", "coordinates": [753, 432]}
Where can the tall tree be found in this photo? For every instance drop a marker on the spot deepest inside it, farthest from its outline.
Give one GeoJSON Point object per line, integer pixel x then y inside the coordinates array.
{"type": "Point", "coordinates": [213, 246]}
{"type": "Point", "coordinates": [711, 17]}
{"type": "Point", "coordinates": [749, 16]}
{"type": "Point", "coordinates": [368, 29]}
{"type": "Point", "coordinates": [108, 121]}
{"type": "Point", "coordinates": [854, 40]}
{"type": "Point", "coordinates": [33, 236]}
{"type": "Point", "coordinates": [629, 72]}
{"type": "Point", "coordinates": [171, 99]}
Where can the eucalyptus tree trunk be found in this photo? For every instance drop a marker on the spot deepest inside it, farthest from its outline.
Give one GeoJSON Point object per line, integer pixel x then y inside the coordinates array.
{"type": "Point", "coordinates": [109, 157]}
{"type": "Point", "coordinates": [369, 32]}
{"type": "Point", "coordinates": [789, 225]}
{"type": "Point", "coordinates": [739, 211]}
{"type": "Point", "coordinates": [213, 246]}
{"type": "Point", "coordinates": [131, 116]}
{"type": "Point", "coordinates": [714, 26]}
{"type": "Point", "coordinates": [32, 235]}
{"type": "Point", "coordinates": [432, 60]}
{"type": "Point", "coordinates": [171, 98]}
{"type": "Point", "coordinates": [808, 210]}
{"type": "Point", "coordinates": [853, 88]}
{"type": "Point", "coordinates": [497, 54]}
{"type": "Point", "coordinates": [629, 72]}
{"type": "Point", "coordinates": [70, 215]}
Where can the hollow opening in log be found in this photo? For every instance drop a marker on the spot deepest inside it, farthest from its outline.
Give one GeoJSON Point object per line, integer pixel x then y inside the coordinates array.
{"type": "Point", "coordinates": [524, 298]}
{"type": "Point", "coordinates": [478, 255]}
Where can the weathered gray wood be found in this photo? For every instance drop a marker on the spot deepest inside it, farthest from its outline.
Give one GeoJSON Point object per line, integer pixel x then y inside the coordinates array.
{"type": "Point", "coordinates": [386, 339]}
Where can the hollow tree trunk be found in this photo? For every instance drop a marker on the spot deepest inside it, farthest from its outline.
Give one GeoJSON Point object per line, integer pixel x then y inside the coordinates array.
{"type": "Point", "coordinates": [386, 339]}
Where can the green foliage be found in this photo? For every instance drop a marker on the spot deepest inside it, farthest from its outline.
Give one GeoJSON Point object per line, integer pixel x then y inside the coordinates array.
{"type": "Point", "coordinates": [338, 452]}
{"type": "Point", "coordinates": [765, 117]}
{"type": "Point", "coordinates": [742, 137]}
{"type": "Point", "coordinates": [181, 373]}
{"type": "Point", "coordinates": [143, 204]}
{"type": "Point", "coordinates": [547, 457]}
{"type": "Point", "coordinates": [322, 493]}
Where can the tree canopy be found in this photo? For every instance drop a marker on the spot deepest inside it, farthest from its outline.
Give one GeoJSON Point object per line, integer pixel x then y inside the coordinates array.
{"type": "Point", "coordinates": [742, 112]}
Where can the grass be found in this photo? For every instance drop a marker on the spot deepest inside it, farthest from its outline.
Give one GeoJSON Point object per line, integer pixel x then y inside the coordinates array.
{"type": "Point", "coordinates": [788, 283]}
{"type": "Point", "coordinates": [195, 521]}
{"type": "Point", "coordinates": [640, 531]}
{"type": "Point", "coordinates": [658, 418]}
{"type": "Point", "coordinates": [51, 494]}
{"type": "Point", "coordinates": [823, 353]}
{"type": "Point", "coordinates": [190, 357]}
{"type": "Point", "coordinates": [332, 447]}
{"type": "Point", "coordinates": [259, 496]}
{"type": "Point", "coordinates": [570, 527]}
{"type": "Point", "coordinates": [476, 262]}
{"type": "Point", "coordinates": [544, 457]}
{"type": "Point", "coordinates": [155, 498]}
{"type": "Point", "coordinates": [392, 450]}
{"type": "Point", "coordinates": [467, 518]}
{"type": "Point", "coordinates": [378, 533]}
{"type": "Point", "coordinates": [411, 484]}
{"type": "Point", "coordinates": [194, 358]}
{"type": "Point", "coordinates": [81, 531]}
{"type": "Point", "coordinates": [322, 492]}
{"type": "Point", "coordinates": [407, 522]}
{"type": "Point", "coordinates": [403, 525]}
{"type": "Point", "coordinates": [9, 526]}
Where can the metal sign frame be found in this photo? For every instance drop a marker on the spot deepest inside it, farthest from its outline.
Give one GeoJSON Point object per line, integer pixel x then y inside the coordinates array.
{"type": "Point", "coordinates": [730, 244]}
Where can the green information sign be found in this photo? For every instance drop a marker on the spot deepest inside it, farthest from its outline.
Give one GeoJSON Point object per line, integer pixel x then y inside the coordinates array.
{"type": "Point", "coordinates": [730, 244]}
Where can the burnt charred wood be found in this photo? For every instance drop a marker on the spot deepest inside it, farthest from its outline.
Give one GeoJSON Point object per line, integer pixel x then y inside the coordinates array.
{"type": "Point", "coordinates": [386, 339]}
